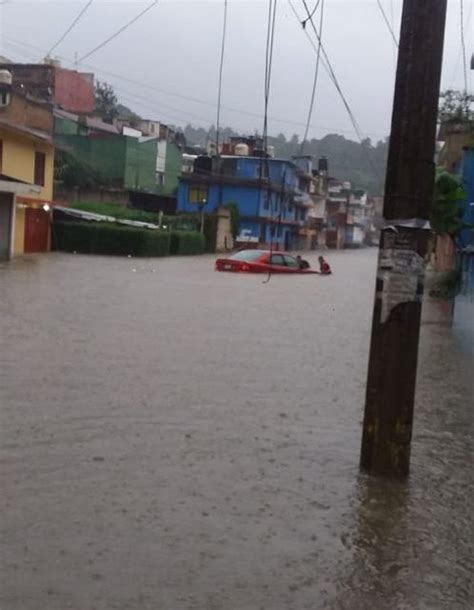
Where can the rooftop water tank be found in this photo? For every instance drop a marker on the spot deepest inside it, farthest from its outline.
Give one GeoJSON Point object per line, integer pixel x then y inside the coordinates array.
{"type": "Point", "coordinates": [241, 149]}
{"type": "Point", "coordinates": [5, 79]}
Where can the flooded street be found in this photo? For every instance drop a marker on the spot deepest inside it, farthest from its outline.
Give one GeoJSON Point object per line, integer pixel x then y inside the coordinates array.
{"type": "Point", "coordinates": [174, 438]}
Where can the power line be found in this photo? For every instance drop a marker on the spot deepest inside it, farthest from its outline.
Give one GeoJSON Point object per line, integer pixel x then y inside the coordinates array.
{"type": "Point", "coordinates": [467, 22]}
{"type": "Point", "coordinates": [240, 111]}
{"type": "Point", "coordinates": [221, 67]}
{"type": "Point", "coordinates": [387, 22]}
{"type": "Point", "coordinates": [119, 31]}
{"type": "Point", "coordinates": [315, 80]}
{"type": "Point", "coordinates": [74, 22]}
{"type": "Point", "coordinates": [463, 44]}
{"type": "Point", "coordinates": [305, 21]}
{"type": "Point", "coordinates": [333, 77]}
{"type": "Point", "coordinates": [339, 89]}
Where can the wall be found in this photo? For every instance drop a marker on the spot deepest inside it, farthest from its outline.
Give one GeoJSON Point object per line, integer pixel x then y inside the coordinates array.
{"type": "Point", "coordinates": [19, 238]}
{"type": "Point", "coordinates": [174, 162]}
{"type": "Point", "coordinates": [74, 91]}
{"type": "Point", "coordinates": [140, 164]}
{"type": "Point", "coordinates": [463, 313]}
{"type": "Point", "coordinates": [19, 160]}
{"type": "Point", "coordinates": [105, 154]}
{"type": "Point", "coordinates": [64, 126]}
{"type": "Point", "coordinates": [24, 112]}
{"type": "Point", "coordinates": [467, 172]}
{"type": "Point", "coordinates": [224, 239]}
{"type": "Point", "coordinates": [37, 79]}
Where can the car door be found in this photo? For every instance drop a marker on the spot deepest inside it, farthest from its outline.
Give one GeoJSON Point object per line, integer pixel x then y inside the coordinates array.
{"type": "Point", "coordinates": [277, 263]}
{"type": "Point", "coordinates": [291, 263]}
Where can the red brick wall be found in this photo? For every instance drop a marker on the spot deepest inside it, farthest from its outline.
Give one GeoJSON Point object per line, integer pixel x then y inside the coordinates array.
{"type": "Point", "coordinates": [28, 113]}
{"type": "Point", "coordinates": [74, 91]}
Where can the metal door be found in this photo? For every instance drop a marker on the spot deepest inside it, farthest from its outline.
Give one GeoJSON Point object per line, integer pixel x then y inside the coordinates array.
{"type": "Point", "coordinates": [6, 204]}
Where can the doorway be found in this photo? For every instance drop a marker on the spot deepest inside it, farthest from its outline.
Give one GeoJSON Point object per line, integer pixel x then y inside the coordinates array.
{"type": "Point", "coordinates": [36, 230]}
{"type": "Point", "coordinates": [6, 206]}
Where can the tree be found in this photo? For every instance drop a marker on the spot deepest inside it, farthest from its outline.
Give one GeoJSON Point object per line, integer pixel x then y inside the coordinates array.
{"type": "Point", "coordinates": [106, 102]}
{"type": "Point", "coordinates": [446, 212]}
{"type": "Point", "coordinates": [456, 107]}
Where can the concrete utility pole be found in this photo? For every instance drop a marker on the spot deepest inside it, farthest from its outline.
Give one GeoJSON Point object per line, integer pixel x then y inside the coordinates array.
{"type": "Point", "coordinates": [388, 417]}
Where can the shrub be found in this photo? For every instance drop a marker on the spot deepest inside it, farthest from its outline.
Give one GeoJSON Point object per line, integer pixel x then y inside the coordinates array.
{"type": "Point", "coordinates": [106, 238]}
{"type": "Point", "coordinates": [187, 242]}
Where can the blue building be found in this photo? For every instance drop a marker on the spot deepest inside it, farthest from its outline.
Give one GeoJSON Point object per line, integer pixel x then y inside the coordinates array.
{"type": "Point", "coordinates": [464, 303]}
{"type": "Point", "coordinates": [465, 168]}
{"type": "Point", "coordinates": [271, 205]}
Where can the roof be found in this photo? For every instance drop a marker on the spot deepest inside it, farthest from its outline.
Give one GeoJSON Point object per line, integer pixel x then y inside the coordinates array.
{"type": "Point", "coordinates": [270, 159]}
{"type": "Point", "coordinates": [95, 123]}
{"type": "Point", "coordinates": [35, 134]}
{"type": "Point", "coordinates": [63, 114]}
{"type": "Point", "coordinates": [100, 125]}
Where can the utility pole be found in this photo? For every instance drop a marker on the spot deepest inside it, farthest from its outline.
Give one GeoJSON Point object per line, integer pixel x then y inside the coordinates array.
{"type": "Point", "coordinates": [388, 417]}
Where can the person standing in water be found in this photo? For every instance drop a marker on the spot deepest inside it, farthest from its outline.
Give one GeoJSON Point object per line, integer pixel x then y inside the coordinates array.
{"type": "Point", "coordinates": [324, 268]}
{"type": "Point", "coordinates": [302, 263]}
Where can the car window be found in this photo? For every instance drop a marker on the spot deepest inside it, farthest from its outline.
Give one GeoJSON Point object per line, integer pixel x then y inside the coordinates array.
{"type": "Point", "coordinates": [276, 259]}
{"type": "Point", "coordinates": [290, 261]}
{"type": "Point", "coordinates": [247, 255]}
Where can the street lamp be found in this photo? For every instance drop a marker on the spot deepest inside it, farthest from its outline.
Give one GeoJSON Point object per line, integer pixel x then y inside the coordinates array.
{"type": "Point", "coordinates": [201, 209]}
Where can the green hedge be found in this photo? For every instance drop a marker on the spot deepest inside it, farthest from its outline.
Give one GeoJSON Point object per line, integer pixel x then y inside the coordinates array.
{"type": "Point", "coordinates": [187, 242]}
{"type": "Point", "coordinates": [106, 238]}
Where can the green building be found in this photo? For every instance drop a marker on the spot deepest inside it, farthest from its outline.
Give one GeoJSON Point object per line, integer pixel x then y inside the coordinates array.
{"type": "Point", "coordinates": [127, 161]}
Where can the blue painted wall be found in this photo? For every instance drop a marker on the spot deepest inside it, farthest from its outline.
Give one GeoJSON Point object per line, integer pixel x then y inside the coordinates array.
{"type": "Point", "coordinates": [252, 201]}
{"type": "Point", "coordinates": [467, 172]}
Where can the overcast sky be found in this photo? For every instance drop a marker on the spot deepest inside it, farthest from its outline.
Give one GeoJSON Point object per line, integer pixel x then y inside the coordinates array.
{"type": "Point", "coordinates": [172, 54]}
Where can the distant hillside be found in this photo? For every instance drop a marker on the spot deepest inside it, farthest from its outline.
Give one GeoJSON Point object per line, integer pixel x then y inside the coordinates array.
{"type": "Point", "coordinates": [361, 163]}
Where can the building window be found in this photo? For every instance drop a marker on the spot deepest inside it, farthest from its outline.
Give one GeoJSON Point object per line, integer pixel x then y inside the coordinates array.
{"type": "Point", "coordinates": [197, 194]}
{"type": "Point", "coordinates": [266, 201]}
{"type": "Point", "coordinates": [4, 98]}
{"type": "Point", "coordinates": [160, 178]}
{"type": "Point", "coordinates": [1, 155]}
{"type": "Point", "coordinates": [40, 165]}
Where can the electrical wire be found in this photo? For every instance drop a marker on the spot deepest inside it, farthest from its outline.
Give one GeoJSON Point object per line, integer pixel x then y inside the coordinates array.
{"type": "Point", "coordinates": [305, 21]}
{"type": "Point", "coordinates": [315, 80]}
{"type": "Point", "coordinates": [221, 67]}
{"type": "Point", "coordinates": [119, 31]}
{"type": "Point", "coordinates": [332, 75]}
{"type": "Point", "coordinates": [463, 44]}
{"type": "Point", "coordinates": [73, 24]}
{"type": "Point", "coordinates": [200, 101]}
{"type": "Point", "coordinates": [467, 23]}
{"type": "Point", "coordinates": [387, 22]}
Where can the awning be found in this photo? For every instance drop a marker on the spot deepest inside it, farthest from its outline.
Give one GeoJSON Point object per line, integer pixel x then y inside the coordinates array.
{"type": "Point", "coordinates": [73, 212]}
{"type": "Point", "coordinates": [17, 187]}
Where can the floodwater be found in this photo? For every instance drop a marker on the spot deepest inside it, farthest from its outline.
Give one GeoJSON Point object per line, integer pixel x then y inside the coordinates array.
{"type": "Point", "coordinates": [174, 438]}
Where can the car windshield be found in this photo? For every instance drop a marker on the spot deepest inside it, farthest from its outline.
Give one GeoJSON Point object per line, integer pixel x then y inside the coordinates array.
{"type": "Point", "coordinates": [247, 255]}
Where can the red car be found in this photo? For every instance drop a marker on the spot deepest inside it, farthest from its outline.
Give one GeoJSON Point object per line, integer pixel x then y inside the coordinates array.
{"type": "Point", "coordinates": [261, 261]}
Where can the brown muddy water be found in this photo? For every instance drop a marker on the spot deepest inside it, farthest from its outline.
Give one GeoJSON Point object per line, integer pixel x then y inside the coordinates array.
{"type": "Point", "coordinates": [173, 438]}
